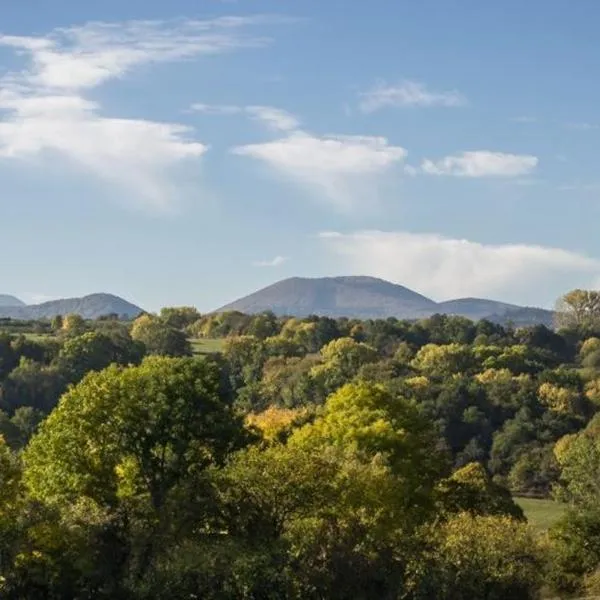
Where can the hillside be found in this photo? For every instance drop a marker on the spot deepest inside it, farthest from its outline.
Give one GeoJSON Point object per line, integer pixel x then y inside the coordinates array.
{"type": "Point", "coordinates": [89, 307]}
{"type": "Point", "coordinates": [361, 297]}
{"type": "Point", "coordinates": [369, 297]}
{"type": "Point", "coordinates": [6, 300]}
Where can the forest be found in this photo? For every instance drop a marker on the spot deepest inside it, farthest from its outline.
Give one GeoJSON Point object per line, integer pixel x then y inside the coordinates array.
{"type": "Point", "coordinates": [233, 456]}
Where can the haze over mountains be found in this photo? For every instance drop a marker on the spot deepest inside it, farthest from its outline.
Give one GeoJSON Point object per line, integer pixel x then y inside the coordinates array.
{"type": "Point", "coordinates": [369, 297]}
{"type": "Point", "coordinates": [89, 307]}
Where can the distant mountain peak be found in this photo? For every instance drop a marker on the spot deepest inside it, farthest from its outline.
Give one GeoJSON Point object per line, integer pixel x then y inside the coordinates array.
{"type": "Point", "coordinates": [365, 297]}
{"type": "Point", "coordinates": [8, 300]}
{"type": "Point", "coordinates": [91, 306]}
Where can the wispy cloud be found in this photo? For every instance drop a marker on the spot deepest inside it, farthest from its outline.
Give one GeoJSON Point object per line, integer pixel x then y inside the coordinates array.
{"type": "Point", "coordinates": [275, 118]}
{"type": "Point", "coordinates": [445, 268]}
{"type": "Point", "coordinates": [277, 261]}
{"type": "Point", "coordinates": [481, 163]}
{"type": "Point", "coordinates": [86, 56]}
{"type": "Point", "coordinates": [407, 94]}
{"type": "Point", "coordinates": [337, 167]}
{"type": "Point", "coordinates": [216, 109]}
{"type": "Point", "coordinates": [582, 126]}
{"type": "Point", "coordinates": [47, 108]}
{"type": "Point", "coordinates": [580, 187]}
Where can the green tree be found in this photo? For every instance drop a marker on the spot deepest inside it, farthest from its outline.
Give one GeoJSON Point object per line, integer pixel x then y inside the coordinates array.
{"type": "Point", "coordinates": [73, 324]}
{"type": "Point", "coordinates": [440, 361]}
{"type": "Point", "coordinates": [471, 490]}
{"type": "Point", "coordinates": [179, 317]}
{"type": "Point", "coordinates": [578, 309]}
{"type": "Point", "coordinates": [487, 557]}
{"type": "Point", "coordinates": [159, 338]}
{"type": "Point", "coordinates": [91, 351]}
{"type": "Point", "coordinates": [137, 441]}
{"type": "Point", "coordinates": [151, 423]}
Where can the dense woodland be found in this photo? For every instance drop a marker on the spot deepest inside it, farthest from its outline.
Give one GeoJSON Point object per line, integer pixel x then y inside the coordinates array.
{"type": "Point", "coordinates": [232, 456]}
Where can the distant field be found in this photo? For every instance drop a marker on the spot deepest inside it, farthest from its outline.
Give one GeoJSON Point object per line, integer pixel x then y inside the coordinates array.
{"type": "Point", "coordinates": [541, 514]}
{"type": "Point", "coordinates": [206, 345]}
{"type": "Point", "coordinates": [39, 337]}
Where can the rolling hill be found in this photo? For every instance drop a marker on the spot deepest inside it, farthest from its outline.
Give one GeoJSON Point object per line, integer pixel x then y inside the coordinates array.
{"type": "Point", "coordinates": [89, 307]}
{"type": "Point", "coordinates": [6, 300]}
{"type": "Point", "coordinates": [369, 297]}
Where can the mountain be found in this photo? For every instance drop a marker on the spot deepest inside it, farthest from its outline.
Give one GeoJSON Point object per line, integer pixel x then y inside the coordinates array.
{"type": "Point", "coordinates": [89, 307]}
{"type": "Point", "coordinates": [6, 300]}
{"type": "Point", "coordinates": [369, 297]}
{"type": "Point", "coordinates": [361, 297]}
{"type": "Point", "coordinates": [475, 308]}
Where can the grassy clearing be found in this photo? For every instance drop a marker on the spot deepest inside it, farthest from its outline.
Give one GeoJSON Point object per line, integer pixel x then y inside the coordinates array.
{"type": "Point", "coordinates": [540, 513]}
{"type": "Point", "coordinates": [39, 337]}
{"type": "Point", "coordinates": [206, 345]}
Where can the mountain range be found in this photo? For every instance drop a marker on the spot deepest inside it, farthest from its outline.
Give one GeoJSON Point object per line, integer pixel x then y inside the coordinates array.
{"type": "Point", "coordinates": [372, 298]}
{"type": "Point", "coordinates": [89, 307]}
{"type": "Point", "coordinates": [355, 297]}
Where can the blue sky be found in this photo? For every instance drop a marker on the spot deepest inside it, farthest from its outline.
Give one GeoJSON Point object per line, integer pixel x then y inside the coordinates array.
{"type": "Point", "coordinates": [190, 152]}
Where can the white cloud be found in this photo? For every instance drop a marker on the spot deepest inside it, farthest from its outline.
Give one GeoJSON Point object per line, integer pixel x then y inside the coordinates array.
{"type": "Point", "coordinates": [334, 165]}
{"type": "Point", "coordinates": [406, 94]}
{"type": "Point", "coordinates": [446, 268]}
{"type": "Point", "coordinates": [274, 262]}
{"type": "Point", "coordinates": [216, 109]}
{"type": "Point", "coordinates": [275, 118]}
{"type": "Point", "coordinates": [46, 110]}
{"type": "Point", "coordinates": [482, 163]}
{"type": "Point", "coordinates": [86, 56]}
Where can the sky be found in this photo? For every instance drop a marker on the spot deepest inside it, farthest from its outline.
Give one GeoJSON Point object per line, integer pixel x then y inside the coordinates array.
{"type": "Point", "coordinates": [190, 152]}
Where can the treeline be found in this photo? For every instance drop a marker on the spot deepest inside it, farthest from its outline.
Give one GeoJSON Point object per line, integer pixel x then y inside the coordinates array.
{"type": "Point", "coordinates": [310, 458]}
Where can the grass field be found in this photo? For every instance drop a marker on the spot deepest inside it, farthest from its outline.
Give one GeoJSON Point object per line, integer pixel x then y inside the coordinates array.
{"type": "Point", "coordinates": [206, 345]}
{"type": "Point", "coordinates": [39, 337]}
{"type": "Point", "coordinates": [541, 514]}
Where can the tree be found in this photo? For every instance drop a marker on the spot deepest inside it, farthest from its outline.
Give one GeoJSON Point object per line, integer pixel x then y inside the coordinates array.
{"type": "Point", "coordinates": [440, 361]}
{"type": "Point", "coordinates": [579, 459]}
{"type": "Point", "coordinates": [73, 324]}
{"type": "Point", "coordinates": [471, 490]}
{"type": "Point", "coordinates": [150, 423]}
{"type": "Point", "coordinates": [491, 557]}
{"type": "Point", "coordinates": [56, 323]}
{"type": "Point", "coordinates": [159, 338]}
{"type": "Point", "coordinates": [263, 325]}
{"type": "Point", "coordinates": [578, 309]}
{"type": "Point", "coordinates": [245, 355]}
{"type": "Point", "coordinates": [574, 550]}
{"type": "Point", "coordinates": [34, 384]}
{"type": "Point", "coordinates": [91, 351]}
{"type": "Point", "coordinates": [179, 317]}
{"type": "Point", "coordinates": [371, 421]}
{"type": "Point", "coordinates": [343, 499]}
{"type": "Point", "coordinates": [8, 357]}
{"type": "Point", "coordinates": [137, 441]}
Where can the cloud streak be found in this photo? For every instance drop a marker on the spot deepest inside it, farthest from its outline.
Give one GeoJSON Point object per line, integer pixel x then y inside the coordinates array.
{"type": "Point", "coordinates": [277, 261]}
{"type": "Point", "coordinates": [407, 94]}
{"type": "Point", "coordinates": [481, 163]}
{"type": "Point", "coordinates": [446, 268]}
{"type": "Point", "coordinates": [274, 118]}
